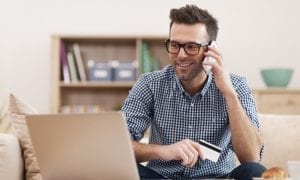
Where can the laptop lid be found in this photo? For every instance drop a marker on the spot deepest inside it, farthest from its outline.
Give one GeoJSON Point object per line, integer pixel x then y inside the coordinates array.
{"type": "Point", "coordinates": [82, 146]}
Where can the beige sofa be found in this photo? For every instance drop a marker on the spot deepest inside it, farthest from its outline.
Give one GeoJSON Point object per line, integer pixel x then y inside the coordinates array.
{"type": "Point", "coordinates": [281, 137]}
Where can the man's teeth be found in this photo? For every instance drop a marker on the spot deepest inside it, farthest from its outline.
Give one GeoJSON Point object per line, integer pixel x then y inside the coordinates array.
{"type": "Point", "coordinates": [184, 64]}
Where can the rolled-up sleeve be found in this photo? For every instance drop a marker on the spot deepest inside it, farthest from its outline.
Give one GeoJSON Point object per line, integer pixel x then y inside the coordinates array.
{"type": "Point", "coordinates": [248, 103]}
{"type": "Point", "coordinates": [138, 108]}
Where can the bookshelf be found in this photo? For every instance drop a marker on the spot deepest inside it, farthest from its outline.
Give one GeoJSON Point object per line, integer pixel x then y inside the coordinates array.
{"type": "Point", "coordinates": [102, 94]}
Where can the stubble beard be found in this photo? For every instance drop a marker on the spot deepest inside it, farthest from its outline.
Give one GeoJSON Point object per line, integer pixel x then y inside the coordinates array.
{"type": "Point", "coordinates": [191, 75]}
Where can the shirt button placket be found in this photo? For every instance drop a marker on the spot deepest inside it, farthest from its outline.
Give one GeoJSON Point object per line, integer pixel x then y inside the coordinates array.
{"type": "Point", "coordinates": [191, 113]}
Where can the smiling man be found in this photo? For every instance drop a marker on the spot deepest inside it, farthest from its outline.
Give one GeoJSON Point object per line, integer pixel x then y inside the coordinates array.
{"type": "Point", "coordinates": [184, 105]}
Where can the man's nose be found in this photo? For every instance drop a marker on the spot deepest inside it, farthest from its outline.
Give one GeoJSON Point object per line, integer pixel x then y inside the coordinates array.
{"type": "Point", "coordinates": [181, 52]}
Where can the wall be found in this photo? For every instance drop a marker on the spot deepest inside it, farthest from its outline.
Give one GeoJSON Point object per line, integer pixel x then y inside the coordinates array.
{"type": "Point", "coordinates": [253, 35]}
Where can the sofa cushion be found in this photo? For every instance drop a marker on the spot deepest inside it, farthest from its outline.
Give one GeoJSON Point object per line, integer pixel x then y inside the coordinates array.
{"type": "Point", "coordinates": [11, 163]}
{"type": "Point", "coordinates": [281, 134]}
{"type": "Point", "coordinates": [17, 111]}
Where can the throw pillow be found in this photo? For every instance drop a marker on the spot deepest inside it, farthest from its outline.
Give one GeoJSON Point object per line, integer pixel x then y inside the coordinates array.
{"type": "Point", "coordinates": [18, 110]}
{"type": "Point", "coordinates": [5, 123]}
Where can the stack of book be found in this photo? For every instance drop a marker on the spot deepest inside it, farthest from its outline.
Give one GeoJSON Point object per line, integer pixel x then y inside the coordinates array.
{"type": "Point", "coordinates": [148, 62]}
{"type": "Point", "coordinates": [72, 65]}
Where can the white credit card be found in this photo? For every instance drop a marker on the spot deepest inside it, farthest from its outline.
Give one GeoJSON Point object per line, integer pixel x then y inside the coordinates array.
{"type": "Point", "coordinates": [210, 151]}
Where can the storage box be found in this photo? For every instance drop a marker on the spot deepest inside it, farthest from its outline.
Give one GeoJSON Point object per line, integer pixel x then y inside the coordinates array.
{"type": "Point", "coordinates": [125, 71]}
{"type": "Point", "coordinates": [100, 71]}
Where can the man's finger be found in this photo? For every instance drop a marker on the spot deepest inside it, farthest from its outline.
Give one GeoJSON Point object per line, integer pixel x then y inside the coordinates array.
{"type": "Point", "coordinates": [183, 157]}
{"type": "Point", "coordinates": [200, 152]}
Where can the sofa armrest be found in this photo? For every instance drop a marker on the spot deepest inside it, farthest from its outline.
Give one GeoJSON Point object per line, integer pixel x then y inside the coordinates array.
{"type": "Point", "coordinates": [11, 163]}
{"type": "Point", "coordinates": [281, 134]}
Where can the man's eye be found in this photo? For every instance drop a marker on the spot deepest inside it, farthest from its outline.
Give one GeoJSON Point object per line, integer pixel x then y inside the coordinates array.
{"type": "Point", "coordinates": [191, 46]}
{"type": "Point", "coordinates": [174, 45]}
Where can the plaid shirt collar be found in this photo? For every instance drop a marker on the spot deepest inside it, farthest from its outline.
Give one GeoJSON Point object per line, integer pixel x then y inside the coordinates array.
{"type": "Point", "coordinates": [177, 86]}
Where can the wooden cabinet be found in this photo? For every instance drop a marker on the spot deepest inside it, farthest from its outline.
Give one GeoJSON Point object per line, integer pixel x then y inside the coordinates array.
{"type": "Point", "coordinates": [108, 95]}
{"type": "Point", "coordinates": [277, 101]}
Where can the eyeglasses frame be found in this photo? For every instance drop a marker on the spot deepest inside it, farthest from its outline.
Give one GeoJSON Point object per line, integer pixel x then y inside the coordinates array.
{"type": "Point", "coordinates": [206, 43]}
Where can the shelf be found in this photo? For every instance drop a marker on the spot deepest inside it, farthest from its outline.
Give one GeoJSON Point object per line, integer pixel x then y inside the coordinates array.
{"type": "Point", "coordinates": [68, 91]}
{"type": "Point", "coordinates": [277, 90]}
{"type": "Point", "coordinates": [90, 84]}
{"type": "Point", "coordinates": [277, 100]}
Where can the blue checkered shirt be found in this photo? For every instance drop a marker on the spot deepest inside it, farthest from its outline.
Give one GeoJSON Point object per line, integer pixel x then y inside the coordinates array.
{"type": "Point", "coordinates": [159, 100]}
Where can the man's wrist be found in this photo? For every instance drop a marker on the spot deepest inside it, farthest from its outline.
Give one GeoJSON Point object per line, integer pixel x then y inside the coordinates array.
{"type": "Point", "coordinates": [159, 151]}
{"type": "Point", "coordinates": [230, 94]}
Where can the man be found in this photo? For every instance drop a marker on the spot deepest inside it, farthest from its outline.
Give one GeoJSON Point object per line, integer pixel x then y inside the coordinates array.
{"type": "Point", "coordinates": [183, 105]}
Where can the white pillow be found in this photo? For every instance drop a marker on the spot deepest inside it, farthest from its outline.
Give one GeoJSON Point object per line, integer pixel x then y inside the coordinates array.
{"type": "Point", "coordinates": [11, 162]}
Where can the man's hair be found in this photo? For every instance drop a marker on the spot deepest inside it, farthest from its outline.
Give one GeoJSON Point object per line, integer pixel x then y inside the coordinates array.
{"type": "Point", "coordinates": [191, 14]}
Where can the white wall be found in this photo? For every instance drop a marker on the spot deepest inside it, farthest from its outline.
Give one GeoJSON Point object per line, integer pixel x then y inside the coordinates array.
{"type": "Point", "coordinates": [253, 34]}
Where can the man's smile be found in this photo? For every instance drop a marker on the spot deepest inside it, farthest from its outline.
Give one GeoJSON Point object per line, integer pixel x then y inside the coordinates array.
{"type": "Point", "coordinates": [184, 65]}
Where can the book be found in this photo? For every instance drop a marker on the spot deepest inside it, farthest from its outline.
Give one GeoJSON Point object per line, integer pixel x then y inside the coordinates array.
{"type": "Point", "coordinates": [145, 59]}
{"type": "Point", "coordinates": [148, 61]}
{"type": "Point", "coordinates": [155, 63]}
{"type": "Point", "coordinates": [79, 62]}
{"type": "Point", "coordinates": [72, 66]}
{"type": "Point", "coordinates": [64, 63]}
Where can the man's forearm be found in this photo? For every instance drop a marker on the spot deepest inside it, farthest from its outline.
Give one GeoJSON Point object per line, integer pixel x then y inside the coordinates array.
{"type": "Point", "coordinates": [246, 139]}
{"type": "Point", "coordinates": [145, 152]}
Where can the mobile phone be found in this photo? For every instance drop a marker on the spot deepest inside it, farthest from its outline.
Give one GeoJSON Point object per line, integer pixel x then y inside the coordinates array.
{"type": "Point", "coordinates": [207, 68]}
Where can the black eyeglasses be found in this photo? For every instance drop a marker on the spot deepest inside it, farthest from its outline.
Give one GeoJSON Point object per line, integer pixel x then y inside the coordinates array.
{"type": "Point", "coordinates": [190, 48]}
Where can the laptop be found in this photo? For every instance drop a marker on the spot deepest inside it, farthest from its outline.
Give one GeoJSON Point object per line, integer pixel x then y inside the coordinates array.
{"type": "Point", "coordinates": [82, 146]}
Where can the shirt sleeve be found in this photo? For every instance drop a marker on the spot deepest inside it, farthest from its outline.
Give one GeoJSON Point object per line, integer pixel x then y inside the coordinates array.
{"type": "Point", "coordinates": [138, 108]}
{"type": "Point", "coordinates": [246, 98]}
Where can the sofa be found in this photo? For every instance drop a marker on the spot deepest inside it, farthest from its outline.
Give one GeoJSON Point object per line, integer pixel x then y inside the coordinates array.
{"type": "Point", "coordinates": [281, 135]}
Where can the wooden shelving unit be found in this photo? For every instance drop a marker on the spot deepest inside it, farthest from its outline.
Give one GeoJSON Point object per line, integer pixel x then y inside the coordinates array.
{"type": "Point", "coordinates": [107, 95]}
{"type": "Point", "coordinates": [277, 100]}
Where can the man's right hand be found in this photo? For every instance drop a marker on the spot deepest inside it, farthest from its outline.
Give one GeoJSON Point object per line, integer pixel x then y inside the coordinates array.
{"type": "Point", "coordinates": [186, 150]}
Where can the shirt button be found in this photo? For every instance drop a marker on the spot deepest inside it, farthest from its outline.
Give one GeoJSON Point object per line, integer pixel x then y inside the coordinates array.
{"type": "Point", "coordinates": [192, 104]}
{"type": "Point", "coordinates": [191, 127]}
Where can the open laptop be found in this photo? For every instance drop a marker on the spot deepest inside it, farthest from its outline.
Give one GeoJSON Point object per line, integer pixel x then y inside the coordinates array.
{"type": "Point", "coordinates": [82, 146]}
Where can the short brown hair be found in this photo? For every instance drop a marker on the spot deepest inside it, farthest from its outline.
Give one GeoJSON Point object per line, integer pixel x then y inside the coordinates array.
{"type": "Point", "coordinates": [191, 14]}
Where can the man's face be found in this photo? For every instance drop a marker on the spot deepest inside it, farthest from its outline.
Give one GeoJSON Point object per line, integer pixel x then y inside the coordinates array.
{"type": "Point", "coordinates": [188, 67]}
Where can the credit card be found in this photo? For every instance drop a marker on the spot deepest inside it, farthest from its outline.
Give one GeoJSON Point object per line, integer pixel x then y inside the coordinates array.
{"type": "Point", "coordinates": [210, 151]}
